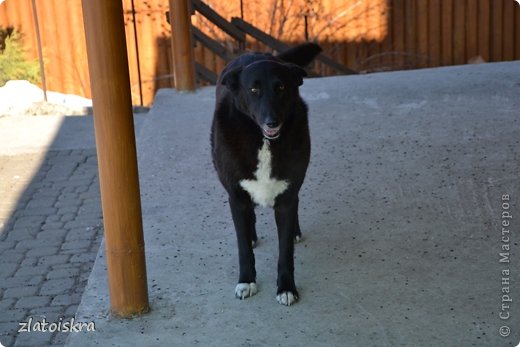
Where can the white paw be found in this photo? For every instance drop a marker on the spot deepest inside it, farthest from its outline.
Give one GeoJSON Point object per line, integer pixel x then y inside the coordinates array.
{"type": "Point", "coordinates": [286, 298]}
{"type": "Point", "coordinates": [298, 239]}
{"type": "Point", "coordinates": [245, 290]}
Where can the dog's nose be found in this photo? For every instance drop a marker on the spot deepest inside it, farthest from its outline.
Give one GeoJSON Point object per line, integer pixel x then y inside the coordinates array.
{"type": "Point", "coordinates": [272, 123]}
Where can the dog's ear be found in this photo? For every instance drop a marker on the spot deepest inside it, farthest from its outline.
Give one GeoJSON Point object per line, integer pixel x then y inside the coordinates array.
{"type": "Point", "coordinates": [231, 79]}
{"type": "Point", "coordinates": [298, 73]}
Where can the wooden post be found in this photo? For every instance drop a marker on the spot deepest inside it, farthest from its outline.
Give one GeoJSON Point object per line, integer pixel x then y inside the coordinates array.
{"type": "Point", "coordinates": [40, 51]}
{"type": "Point", "coordinates": [182, 45]}
{"type": "Point", "coordinates": [116, 154]}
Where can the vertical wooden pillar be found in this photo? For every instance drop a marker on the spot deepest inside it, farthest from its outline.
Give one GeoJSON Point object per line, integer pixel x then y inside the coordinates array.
{"type": "Point", "coordinates": [182, 45]}
{"type": "Point", "coordinates": [40, 51]}
{"type": "Point", "coordinates": [116, 153]}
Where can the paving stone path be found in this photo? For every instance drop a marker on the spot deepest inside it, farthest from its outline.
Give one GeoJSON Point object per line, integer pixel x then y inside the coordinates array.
{"type": "Point", "coordinates": [48, 243]}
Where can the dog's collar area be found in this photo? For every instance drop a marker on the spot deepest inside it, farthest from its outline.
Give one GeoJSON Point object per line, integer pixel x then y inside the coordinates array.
{"type": "Point", "coordinates": [269, 138]}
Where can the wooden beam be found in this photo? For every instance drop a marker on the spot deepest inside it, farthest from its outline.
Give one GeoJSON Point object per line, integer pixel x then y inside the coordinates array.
{"type": "Point", "coordinates": [259, 34]}
{"type": "Point", "coordinates": [211, 44]}
{"type": "Point", "coordinates": [116, 154]}
{"type": "Point", "coordinates": [206, 74]}
{"type": "Point", "coordinates": [182, 45]}
{"type": "Point", "coordinates": [218, 20]}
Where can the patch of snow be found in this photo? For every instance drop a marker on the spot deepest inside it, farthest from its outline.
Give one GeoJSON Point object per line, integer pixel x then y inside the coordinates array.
{"type": "Point", "coordinates": [20, 97]}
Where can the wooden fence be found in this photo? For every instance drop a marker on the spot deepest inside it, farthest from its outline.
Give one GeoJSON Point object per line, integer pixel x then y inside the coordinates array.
{"type": "Point", "coordinates": [365, 35]}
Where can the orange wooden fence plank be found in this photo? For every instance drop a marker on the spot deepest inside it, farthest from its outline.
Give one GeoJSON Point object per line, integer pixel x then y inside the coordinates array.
{"type": "Point", "coordinates": [219, 64]}
{"type": "Point", "coordinates": [53, 70]}
{"type": "Point", "coordinates": [484, 32]}
{"type": "Point", "coordinates": [386, 45]}
{"type": "Point", "coordinates": [148, 50]}
{"type": "Point", "coordinates": [64, 39]}
{"type": "Point", "coordinates": [398, 33]}
{"type": "Point", "coordinates": [26, 21]}
{"type": "Point", "coordinates": [471, 29]}
{"type": "Point", "coordinates": [132, 48]}
{"type": "Point", "coordinates": [13, 16]}
{"type": "Point", "coordinates": [434, 32]}
{"type": "Point", "coordinates": [372, 33]}
{"type": "Point", "coordinates": [447, 32]}
{"type": "Point", "coordinates": [459, 32]}
{"type": "Point", "coordinates": [422, 33]}
{"type": "Point", "coordinates": [350, 54]}
{"type": "Point", "coordinates": [508, 48]}
{"type": "Point", "coordinates": [410, 32]}
{"type": "Point", "coordinates": [15, 9]}
{"type": "Point", "coordinates": [161, 33]}
{"type": "Point", "coordinates": [497, 12]}
{"type": "Point", "coordinates": [79, 51]}
{"type": "Point", "coordinates": [209, 59]}
{"type": "Point", "coordinates": [517, 32]}
{"type": "Point", "coordinates": [3, 16]}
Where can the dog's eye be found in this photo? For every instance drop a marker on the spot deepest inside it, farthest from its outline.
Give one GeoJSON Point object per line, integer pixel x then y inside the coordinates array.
{"type": "Point", "coordinates": [280, 87]}
{"type": "Point", "coordinates": [255, 91]}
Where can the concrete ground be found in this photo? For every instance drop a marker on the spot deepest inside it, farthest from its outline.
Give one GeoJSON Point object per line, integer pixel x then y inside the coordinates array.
{"type": "Point", "coordinates": [405, 209]}
{"type": "Point", "coordinates": [50, 222]}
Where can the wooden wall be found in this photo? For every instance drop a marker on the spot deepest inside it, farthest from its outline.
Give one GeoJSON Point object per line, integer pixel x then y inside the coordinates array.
{"type": "Point", "coordinates": [365, 35]}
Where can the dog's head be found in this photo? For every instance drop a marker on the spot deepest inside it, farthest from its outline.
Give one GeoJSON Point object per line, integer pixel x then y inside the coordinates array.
{"type": "Point", "coordinates": [266, 91]}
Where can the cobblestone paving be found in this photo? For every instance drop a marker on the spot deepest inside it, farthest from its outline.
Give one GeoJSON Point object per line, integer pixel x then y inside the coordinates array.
{"type": "Point", "coordinates": [48, 245]}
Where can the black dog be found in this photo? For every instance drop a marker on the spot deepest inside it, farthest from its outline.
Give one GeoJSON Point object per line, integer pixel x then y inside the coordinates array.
{"type": "Point", "coordinates": [261, 147]}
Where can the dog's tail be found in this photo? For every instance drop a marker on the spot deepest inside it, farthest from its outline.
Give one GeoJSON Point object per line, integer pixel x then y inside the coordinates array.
{"type": "Point", "coordinates": [302, 54]}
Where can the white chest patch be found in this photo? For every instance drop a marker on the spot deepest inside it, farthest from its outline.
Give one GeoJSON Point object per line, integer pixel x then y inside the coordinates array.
{"type": "Point", "coordinates": [264, 188]}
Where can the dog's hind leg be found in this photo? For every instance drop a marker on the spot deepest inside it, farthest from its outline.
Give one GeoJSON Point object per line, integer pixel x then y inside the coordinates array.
{"type": "Point", "coordinates": [244, 219]}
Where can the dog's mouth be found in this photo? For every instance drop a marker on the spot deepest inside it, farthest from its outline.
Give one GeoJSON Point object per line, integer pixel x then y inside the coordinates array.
{"type": "Point", "coordinates": [271, 133]}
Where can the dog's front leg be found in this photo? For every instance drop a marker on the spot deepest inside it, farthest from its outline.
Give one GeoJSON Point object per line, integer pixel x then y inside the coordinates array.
{"type": "Point", "coordinates": [286, 218]}
{"type": "Point", "coordinates": [244, 219]}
